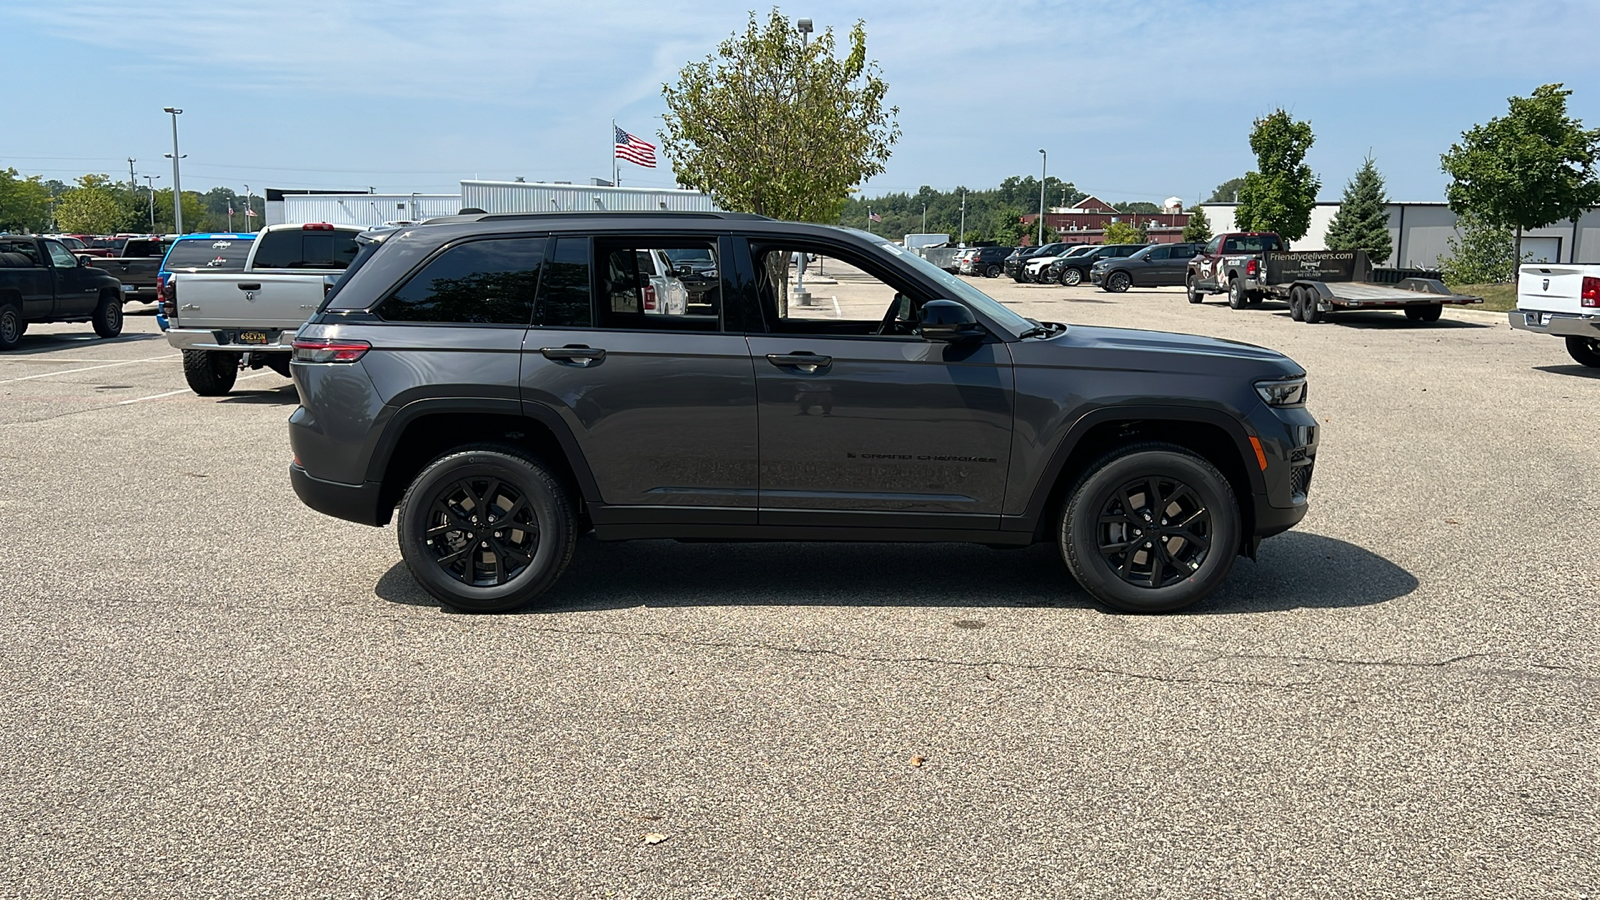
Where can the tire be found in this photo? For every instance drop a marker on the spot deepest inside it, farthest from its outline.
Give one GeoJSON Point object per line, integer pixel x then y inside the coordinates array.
{"type": "Point", "coordinates": [1429, 313]}
{"type": "Point", "coordinates": [1586, 351]}
{"type": "Point", "coordinates": [1071, 276]}
{"type": "Point", "coordinates": [1297, 299]}
{"type": "Point", "coordinates": [1118, 282]}
{"type": "Point", "coordinates": [992, 272]}
{"type": "Point", "coordinates": [210, 373]}
{"type": "Point", "coordinates": [1194, 295]}
{"type": "Point", "coordinates": [108, 316]}
{"type": "Point", "coordinates": [1117, 487]}
{"type": "Point", "coordinates": [1309, 312]}
{"type": "Point", "coordinates": [12, 328]}
{"type": "Point", "coordinates": [1236, 299]}
{"type": "Point", "coordinates": [448, 566]}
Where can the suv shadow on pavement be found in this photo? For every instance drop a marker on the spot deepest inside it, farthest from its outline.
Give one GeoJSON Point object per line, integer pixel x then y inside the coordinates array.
{"type": "Point", "coordinates": [1298, 571]}
{"type": "Point", "coordinates": [281, 395]}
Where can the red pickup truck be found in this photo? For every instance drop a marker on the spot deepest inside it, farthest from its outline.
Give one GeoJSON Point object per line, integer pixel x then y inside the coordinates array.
{"type": "Point", "coordinates": [1231, 264]}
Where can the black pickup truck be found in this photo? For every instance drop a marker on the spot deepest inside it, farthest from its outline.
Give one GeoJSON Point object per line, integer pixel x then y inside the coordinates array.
{"type": "Point", "coordinates": [41, 281]}
{"type": "Point", "coordinates": [137, 267]}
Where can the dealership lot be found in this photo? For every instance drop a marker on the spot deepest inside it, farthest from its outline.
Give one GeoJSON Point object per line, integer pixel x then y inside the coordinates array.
{"type": "Point", "coordinates": [211, 690]}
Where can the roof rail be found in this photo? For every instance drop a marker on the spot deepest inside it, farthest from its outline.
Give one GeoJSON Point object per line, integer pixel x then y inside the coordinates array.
{"type": "Point", "coordinates": [635, 213]}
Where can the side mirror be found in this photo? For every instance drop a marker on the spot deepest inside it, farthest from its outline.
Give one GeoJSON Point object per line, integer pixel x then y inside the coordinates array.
{"type": "Point", "coordinates": [947, 320]}
{"type": "Point", "coordinates": [83, 261]}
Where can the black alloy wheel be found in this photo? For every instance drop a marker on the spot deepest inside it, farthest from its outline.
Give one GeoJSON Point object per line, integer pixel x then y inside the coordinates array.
{"type": "Point", "coordinates": [1297, 299]}
{"type": "Point", "coordinates": [1154, 531]}
{"type": "Point", "coordinates": [1071, 276]}
{"type": "Point", "coordinates": [992, 272]}
{"type": "Point", "coordinates": [481, 531]}
{"type": "Point", "coordinates": [1585, 351]}
{"type": "Point", "coordinates": [1118, 282]}
{"type": "Point", "coordinates": [486, 528]}
{"type": "Point", "coordinates": [1152, 527]}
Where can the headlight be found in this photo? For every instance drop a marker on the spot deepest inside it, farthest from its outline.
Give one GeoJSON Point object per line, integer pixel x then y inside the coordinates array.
{"type": "Point", "coordinates": [1284, 392]}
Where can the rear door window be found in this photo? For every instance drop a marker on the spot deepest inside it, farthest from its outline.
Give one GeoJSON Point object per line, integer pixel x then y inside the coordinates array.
{"type": "Point", "coordinates": [490, 282]}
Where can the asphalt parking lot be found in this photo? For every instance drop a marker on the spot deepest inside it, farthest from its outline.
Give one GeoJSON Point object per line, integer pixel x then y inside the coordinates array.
{"type": "Point", "coordinates": [209, 690]}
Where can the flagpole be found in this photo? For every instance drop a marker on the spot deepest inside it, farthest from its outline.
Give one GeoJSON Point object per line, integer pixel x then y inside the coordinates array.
{"type": "Point", "coordinates": [616, 176]}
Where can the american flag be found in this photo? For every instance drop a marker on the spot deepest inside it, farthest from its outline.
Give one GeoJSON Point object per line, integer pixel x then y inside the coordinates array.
{"type": "Point", "coordinates": [630, 148]}
{"type": "Point", "coordinates": [875, 217]}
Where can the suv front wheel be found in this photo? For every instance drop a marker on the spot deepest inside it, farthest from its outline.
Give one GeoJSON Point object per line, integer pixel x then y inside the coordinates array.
{"type": "Point", "coordinates": [1151, 528]}
{"type": "Point", "coordinates": [486, 529]}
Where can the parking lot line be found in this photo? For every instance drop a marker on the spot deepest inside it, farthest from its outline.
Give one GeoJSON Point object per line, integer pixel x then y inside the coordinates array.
{"type": "Point", "coordinates": [84, 369]}
{"type": "Point", "coordinates": [182, 391]}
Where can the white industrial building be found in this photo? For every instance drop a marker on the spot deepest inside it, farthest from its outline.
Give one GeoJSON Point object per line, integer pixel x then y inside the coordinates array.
{"type": "Point", "coordinates": [1419, 233]}
{"type": "Point", "coordinates": [369, 209]}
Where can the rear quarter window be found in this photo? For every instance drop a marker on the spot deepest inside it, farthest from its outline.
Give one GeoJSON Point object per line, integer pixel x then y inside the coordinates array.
{"type": "Point", "coordinates": [488, 282]}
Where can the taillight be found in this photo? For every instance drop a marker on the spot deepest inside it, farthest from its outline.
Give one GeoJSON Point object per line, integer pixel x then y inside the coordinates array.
{"type": "Point", "coordinates": [1252, 267]}
{"type": "Point", "coordinates": [649, 294]}
{"type": "Point", "coordinates": [1591, 292]}
{"type": "Point", "coordinates": [322, 350]}
{"type": "Point", "coordinates": [316, 226]}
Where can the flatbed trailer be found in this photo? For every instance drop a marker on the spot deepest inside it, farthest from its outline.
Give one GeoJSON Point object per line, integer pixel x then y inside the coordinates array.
{"type": "Point", "coordinates": [1317, 282]}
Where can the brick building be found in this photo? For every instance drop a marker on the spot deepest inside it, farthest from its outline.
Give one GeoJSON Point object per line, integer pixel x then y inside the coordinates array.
{"type": "Point", "coordinates": [1085, 222]}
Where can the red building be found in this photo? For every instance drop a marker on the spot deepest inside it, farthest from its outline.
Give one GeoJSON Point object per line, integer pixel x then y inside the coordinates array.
{"type": "Point", "coordinates": [1085, 222]}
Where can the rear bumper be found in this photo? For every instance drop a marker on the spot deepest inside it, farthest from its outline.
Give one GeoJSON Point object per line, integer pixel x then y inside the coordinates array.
{"type": "Point", "coordinates": [351, 502]}
{"type": "Point", "coordinates": [278, 340]}
{"type": "Point", "coordinates": [1560, 324]}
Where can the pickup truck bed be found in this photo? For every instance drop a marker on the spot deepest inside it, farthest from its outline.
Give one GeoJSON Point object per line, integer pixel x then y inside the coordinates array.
{"type": "Point", "coordinates": [1562, 301]}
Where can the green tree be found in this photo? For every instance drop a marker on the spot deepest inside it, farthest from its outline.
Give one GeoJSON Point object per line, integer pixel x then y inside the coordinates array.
{"type": "Point", "coordinates": [1532, 168]}
{"type": "Point", "coordinates": [93, 207]}
{"type": "Point", "coordinates": [1485, 253]}
{"type": "Point", "coordinates": [1228, 191]}
{"type": "Point", "coordinates": [1362, 222]}
{"type": "Point", "coordinates": [1199, 228]}
{"type": "Point", "coordinates": [1279, 195]}
{"type": "Point", "coordinates": [1136, 206]}
{"type": "Point", "coordinates": [24, 202]}
{"type": "Point", "coordinates": [1124, 233]}
{"type": "Point", "coordinates": [194, 212]}
{"type": "Point", "coordinates": [776, 125]}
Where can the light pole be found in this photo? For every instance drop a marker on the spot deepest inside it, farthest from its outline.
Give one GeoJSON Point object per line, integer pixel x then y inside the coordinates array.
{"type": "Point", "coordinates": [924, 218]}
{"type": "Point", "coordinates": [1044, 158]}
{"type": "Point", "coordinates": [249, 226]}
{"type": "Point", "coordinates": [177, 184]}
{"type": "Point", "coordinates": [150, 184]}
{"type": "Point", "coordinates": [961, 239]}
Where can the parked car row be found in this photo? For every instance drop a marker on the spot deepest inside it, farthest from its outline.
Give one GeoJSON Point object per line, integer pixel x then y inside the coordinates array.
{"type": "Point", "coordinates": [986, 261]}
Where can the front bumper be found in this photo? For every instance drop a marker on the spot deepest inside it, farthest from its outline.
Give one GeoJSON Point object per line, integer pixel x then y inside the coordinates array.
{"type": "Point", "coordinates": [1097, 275]}
{"type": "Point", "coordinates": [278, 340]}
{"type": "Point", "coordinates": [1560, 324]}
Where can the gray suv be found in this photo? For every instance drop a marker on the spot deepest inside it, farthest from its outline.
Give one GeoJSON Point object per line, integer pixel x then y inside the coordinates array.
{"type": "Point", "coordinates": [501, 384]}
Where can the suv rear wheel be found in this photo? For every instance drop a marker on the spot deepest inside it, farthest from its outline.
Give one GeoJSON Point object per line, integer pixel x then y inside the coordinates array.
{"type": "Point", "coordinates": [486, 529]}
{"type": "Point", "coordinates": [1151, 528]}
{"type": "Point", "coordinates": [992, 272]}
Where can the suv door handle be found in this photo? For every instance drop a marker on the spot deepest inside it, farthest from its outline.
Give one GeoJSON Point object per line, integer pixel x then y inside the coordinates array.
{"type": "Point", "coordinates": [248, 285]}
{"type": "Point", "coordinates": [803, 360]}
{"type": "Point", "coordinates": [574, 354]}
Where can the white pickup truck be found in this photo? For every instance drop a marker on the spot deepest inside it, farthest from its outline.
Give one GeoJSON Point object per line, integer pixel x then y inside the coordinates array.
{"type": "Point", "coordinates": [227, 321]}
{"type": "Point", "coordinates": [1563, 301]}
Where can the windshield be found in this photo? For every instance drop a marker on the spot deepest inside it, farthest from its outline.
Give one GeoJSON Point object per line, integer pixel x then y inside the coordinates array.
{"type": "Point", "coordinates": [216, 254]}
{"type": "Point", "coordinates": [690, 256]}
{"type": "Point", "coordinates": [959, 290]}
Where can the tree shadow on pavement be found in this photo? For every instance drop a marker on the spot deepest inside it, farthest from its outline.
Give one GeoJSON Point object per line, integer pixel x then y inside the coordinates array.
{"type": "Point", "coordinates": [1295, 571]}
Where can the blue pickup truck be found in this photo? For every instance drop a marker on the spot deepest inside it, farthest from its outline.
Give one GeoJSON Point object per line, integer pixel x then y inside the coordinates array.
{"type": "Point", "coordinates": [42, 281]}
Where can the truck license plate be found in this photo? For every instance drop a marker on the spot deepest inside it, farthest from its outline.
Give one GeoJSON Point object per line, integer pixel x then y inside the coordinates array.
{"type": "Point", "coordinates": [252, 337]}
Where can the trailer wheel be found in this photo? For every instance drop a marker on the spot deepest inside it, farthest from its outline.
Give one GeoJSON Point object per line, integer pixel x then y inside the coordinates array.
{"type": "Point", "coordinates": [1194, 295]}
{"type": "Point", "coordinates": [1236, 299]}
{"type": "Point", "coordinates": [1584, 350]}
{"type": "Point", "coordinates": [1309, 313]}
{"type": "Point", "coordinates": [1429, 313]}
{"type": "Point", "coordinates": [1297, 300]}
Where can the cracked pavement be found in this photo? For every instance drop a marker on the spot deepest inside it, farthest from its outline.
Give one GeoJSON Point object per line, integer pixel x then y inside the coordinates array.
{"type": "Point", "coordinates": [210, 691]}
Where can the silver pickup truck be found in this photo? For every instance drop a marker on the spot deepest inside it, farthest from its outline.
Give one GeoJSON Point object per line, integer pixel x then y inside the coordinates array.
{"type": "Point", "coordinates": [224, 322]}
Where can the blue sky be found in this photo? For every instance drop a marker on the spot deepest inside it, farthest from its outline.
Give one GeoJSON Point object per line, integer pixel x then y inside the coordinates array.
{"type": "Point", "coordinates": [1133, 100]}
